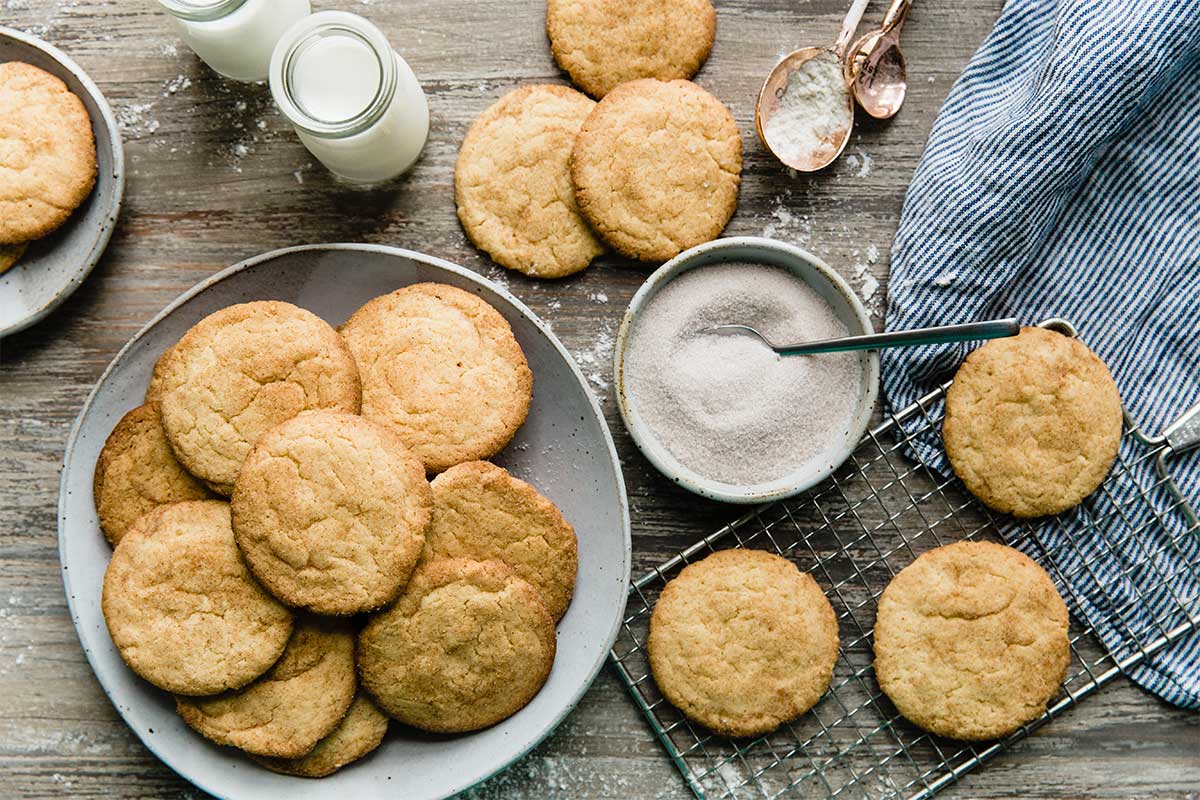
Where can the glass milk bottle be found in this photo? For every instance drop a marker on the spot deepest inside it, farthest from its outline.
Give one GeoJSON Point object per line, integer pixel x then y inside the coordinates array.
{"type": "Point", "coordinates": [354, 102]}
{"type": "Point", "coordinates": [235, 37]}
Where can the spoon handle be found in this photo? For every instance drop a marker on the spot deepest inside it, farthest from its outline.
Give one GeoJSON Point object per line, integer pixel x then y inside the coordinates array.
{"type": "Point", "coordinates": [970, 332]}
{"type": "Point", "coordinates": [849, 26]}
{"type": "Point", "coordinates": [896, 14]}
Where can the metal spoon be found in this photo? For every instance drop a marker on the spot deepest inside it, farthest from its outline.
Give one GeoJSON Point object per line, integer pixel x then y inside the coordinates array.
{"type": "Point", "coordinates": [970, 332]}
{"type": "Point", "coordinates": [876, 69]}
{"type": "Point", "coordinates": [776, 84]}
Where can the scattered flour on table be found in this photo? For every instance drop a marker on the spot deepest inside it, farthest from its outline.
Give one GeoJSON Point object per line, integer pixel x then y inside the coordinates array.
{"type": "Point", "coordinates": [814, 112]}
{"type": "Point", "coordinates": [726, 406]}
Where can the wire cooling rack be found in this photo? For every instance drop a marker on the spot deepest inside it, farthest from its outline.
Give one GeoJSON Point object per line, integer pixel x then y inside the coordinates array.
{"type": "Point", "coordinates": [853, 533]}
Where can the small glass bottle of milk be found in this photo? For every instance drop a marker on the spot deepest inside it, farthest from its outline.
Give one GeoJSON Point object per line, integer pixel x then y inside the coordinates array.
{"type": "Point", "coordinates": [354, 102]}
{"type": "Point", "coordinates": [235, 37]}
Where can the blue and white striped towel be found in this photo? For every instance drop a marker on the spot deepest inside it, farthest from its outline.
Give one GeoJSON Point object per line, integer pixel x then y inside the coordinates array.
{"type": "Point", "coordinates": [1062, 178]}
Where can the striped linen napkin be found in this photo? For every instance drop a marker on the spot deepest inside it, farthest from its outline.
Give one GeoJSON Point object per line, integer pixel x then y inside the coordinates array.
{"type": "Point", "coordinates": [1062, 179]}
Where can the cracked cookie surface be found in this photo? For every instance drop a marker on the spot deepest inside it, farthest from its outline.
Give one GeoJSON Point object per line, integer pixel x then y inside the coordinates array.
{"type": "Point", "coordinates": [288, 711]}
{"type": "Point", "coordinates": [243, 370]}
{"type": "Point", "coordinates": [182, 608]}
{"type": "Point", "coordinates": [512, 183]}
{"type": "Point", "coordinates": [482, 512]}
{"type": "Point", "coordinates": [603, 43]}
{"type": "Point", "coordinates": [137, 472]}
{"type": "Point", "coordinates": [1033, 423]}
{"type": "Point", "coordinates": [330, 511]}
{"type": "Point", "coordinates": [742, 642]}
{"type": "Point", "coordinates": [47, 152]}
{"type": "Point", "coordinates": [971, 640]}
{"type": "Point", "coordinates": [442, 368]}
{"type": "Point", "coordinates": [656, 168]}
{"type": "Point", "coordinates": [467, 645]}
{"type": "Point", "coordinates": [355, 737]}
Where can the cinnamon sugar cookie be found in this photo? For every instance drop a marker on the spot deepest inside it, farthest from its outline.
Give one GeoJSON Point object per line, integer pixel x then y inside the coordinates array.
{"type": "Point", "coordinates": [47, 152]}
{"type": "Point", "coordinates": [742, 642]}
{"type": "Point", "coordinates": [512, 183]}
{"type": "Point", "coordinates": [971, 640]}
{"type": "Point", "coordinates": [657, 167]}
{"type": "Point", "coordinates": [10, 254]}
{"type": "Point", "coordinates": [358, 734]}
{"type": "Point", "coordinates": [442, 368]}
{"type": "Point", "coordinates": [467, 644]}
{"type": "Point", "coordinates": [330, 511]}
{"type": "Point", "coordinates": [182, 608]}
{"type": "Point", "coordinates": [243, 370]}
{"type": "Point", "coordinates": [285, 713]}
{"type": "Point", "coordinates": [137, 472]}
{"type": "Point", "coordinates": [603, 43]}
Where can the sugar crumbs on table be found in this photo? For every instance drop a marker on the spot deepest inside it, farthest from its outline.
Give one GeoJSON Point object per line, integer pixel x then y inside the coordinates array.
{"type": "Point", "coordinates": [727, 407]}
{"type": "Point", "coordinates": [814, 112]}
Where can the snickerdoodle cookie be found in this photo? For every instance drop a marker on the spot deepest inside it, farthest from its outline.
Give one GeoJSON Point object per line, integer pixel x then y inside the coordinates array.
{"type": "Point", "coordinates": [10, 254]}
{"type": "Point", "coordinates": [358, 734]}
{"type": "Point", "coordinates": [467, 644]}
{"type": "Point", "coordinates": [243, 370]}
{"type": "Point", "coordinates": [47, 152]}
{"type": "Point", "coordinates": [512, 183]}
{"type": "Point", "coordinates": [442, 368]}
{"type": "Point", "coordinates": [602, 43]}
{"type": "Point", "coordinates": [137, 472]}
{"type": "Point", "coordinates": [1032, 423]}
{"type": "Point", "coordinates": [482, 512]}
{"type": "Point", "coordinates": [330, 511]}
{"type": "Point", "coordinates": [154, 389]}
{"type": "Point", "coordinates": [656, 168]}
{"type": "Point", "coordinates": [971, 640]}
{"type": "Point", "coordinates": [742, 642]}
{"type": "Point", "coordinates": [182, 608]}
{"type": "Point", "coordinates": [285, 713]}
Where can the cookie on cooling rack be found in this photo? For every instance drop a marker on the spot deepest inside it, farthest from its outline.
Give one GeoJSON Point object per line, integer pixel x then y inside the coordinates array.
{"type": "Point", "coordinates": [743, 642]}
{"type": "Point", "coordinates": [288, 711]}
{"type": "Point", "coordinates": [971, 641]}
{"type": "Point", "coordinates": [1033, 423]}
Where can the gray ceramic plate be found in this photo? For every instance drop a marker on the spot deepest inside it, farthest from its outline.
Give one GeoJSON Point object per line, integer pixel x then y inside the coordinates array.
{"type": "Point", "coordinates": [54, 267]}
{"type": "Point", "coordinates": [564, 449]}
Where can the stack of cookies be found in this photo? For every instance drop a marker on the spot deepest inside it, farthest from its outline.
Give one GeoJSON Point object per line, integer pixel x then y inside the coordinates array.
{"type": "Point", "coordinates": [282, 563]}
{"type": "Point", "coordinates": [546, 178]}
{"type": "Point", "coordinates": [49, 164]}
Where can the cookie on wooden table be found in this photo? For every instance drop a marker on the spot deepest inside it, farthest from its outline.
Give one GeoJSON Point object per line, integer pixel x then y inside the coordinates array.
{"type": "Point", "coordinates": [48, 162]}
{"type": "Point", "coordinates": [603, 43]}
{"type": "Point", "coordinates": [358, 734]}
{"type": "Point", "coordinates": [657, 167]}
{"type": "Point", "coordinates": [137, 472]}
{"type": "Point", "coordinates": [330, 511]}
{"type": "Point", "coordinates": [243, 370]}
{"type": "Point", "coordinates": [482, 512]}
{"type": "Point", "coordinates": [971, 641]}
{"type": "Point", "coordinates": [742, 642]}
{"type": "Point", "coordinates": [10, 254]}
{"type": "Point", "coordinates": [467, 645]}
{"type": "Point", "coordinates": [512, 183]}
{"type": "Point", "coordinates": [442, 368]}
{"type": "Point", "coordinates": [182, 608]}
{"type": "Point", "coordinates": [288, 711]}
{"type": "Point", "coordinates": [1033, 423]}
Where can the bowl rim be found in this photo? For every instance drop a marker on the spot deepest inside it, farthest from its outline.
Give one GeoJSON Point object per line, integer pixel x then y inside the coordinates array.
{"type": "Point", "coordinates": [614, 459]}
{"type": "Point", "coordinates": [657, 454]}
{"type": "Point", "coordinates": [114, 200]}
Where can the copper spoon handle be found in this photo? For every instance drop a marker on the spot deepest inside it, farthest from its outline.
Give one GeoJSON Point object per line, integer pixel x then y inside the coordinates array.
{"type": "Point", "coordinates": [849, 26]}
{"type": "Point", "coordinates": [896, 15]}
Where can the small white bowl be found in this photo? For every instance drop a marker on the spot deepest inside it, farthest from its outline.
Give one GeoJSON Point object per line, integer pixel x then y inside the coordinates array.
{"type": "Point", "coordinates": [831, 286]}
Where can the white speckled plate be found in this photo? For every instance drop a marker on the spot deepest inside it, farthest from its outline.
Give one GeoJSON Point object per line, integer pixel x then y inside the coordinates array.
{"type": "Point", "coordinates": [564, 449]}
{"type": "Point", "coordinates": [52, 268]}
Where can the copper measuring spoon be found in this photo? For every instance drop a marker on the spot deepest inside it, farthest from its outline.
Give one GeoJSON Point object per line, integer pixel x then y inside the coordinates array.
{"type": "Point", "coordinates": [776, 84]}
{"type": "Point", "coordinates": [876, 69]}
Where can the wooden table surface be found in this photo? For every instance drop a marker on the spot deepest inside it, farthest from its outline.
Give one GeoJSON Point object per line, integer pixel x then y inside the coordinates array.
{"type": "Point", "coordinates": [216, 175]}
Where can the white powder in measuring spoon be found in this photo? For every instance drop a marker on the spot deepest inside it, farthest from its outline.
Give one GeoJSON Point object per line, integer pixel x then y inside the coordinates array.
{"type": "Point", "coordinates": [814, 112]}
{"type": "Point", "coordinates": [726, 406]}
